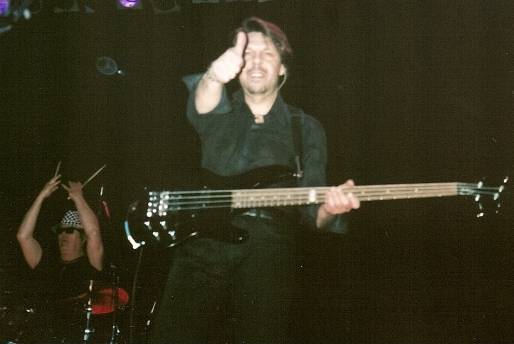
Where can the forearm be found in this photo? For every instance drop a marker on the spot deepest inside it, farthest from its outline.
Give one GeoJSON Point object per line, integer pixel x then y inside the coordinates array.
{"type": "Point", "coordinates": [94, 243]}
{"type": "Point", "coordinates": [30, 247]}
{"type": "Point", "coordinates": [87, 217]}
{"type": "Point", "coordinates": [208, 93]}
{"type": "Point", "coordinates": [28, 225]}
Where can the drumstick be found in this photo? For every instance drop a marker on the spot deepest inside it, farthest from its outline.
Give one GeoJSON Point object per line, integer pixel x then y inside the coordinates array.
{"type": "Point", "coordinates": [57, 168]}
{"type": "Point", "coordinates": [94, 175]}
{"type": "Point", "coordinates": [90, 178]}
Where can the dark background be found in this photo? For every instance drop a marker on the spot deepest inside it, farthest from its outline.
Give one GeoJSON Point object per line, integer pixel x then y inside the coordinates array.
{"type": "Point", "coordinates": [408, 91]}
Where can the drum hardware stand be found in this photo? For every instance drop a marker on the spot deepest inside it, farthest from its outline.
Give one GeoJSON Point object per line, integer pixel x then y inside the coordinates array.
{"type": "Point", "coordinates": [132, 325]}
{"type": "Point", "coordinates": [149, 322]}
{"type": "Point", "coordinates": [115, 334]}
{"type": "Point", "coordinates": [115, 296]}
{"type": "Point", "coordinates": [88, 331]}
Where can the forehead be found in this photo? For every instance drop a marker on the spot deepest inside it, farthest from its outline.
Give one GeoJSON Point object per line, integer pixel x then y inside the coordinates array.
{"type": "Point", "coordinates": [257, 40]}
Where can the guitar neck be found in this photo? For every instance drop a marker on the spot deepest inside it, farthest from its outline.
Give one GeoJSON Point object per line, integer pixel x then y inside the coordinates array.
{"type": "Point", "coordinates": [303, 196]}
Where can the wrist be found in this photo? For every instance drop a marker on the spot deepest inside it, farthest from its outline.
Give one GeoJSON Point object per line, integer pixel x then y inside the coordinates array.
{"type": "Point", "coordinates": [75, 197]}
{"type": "Point", "coordinates": [210, 76]}
{"type": "Point", "coordinates": [323, 210]}
{"type": "Point", "coordinates": [324, 217]}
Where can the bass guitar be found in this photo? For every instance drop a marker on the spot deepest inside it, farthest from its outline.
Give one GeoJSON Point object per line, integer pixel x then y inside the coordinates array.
{"type": "Point", "coordinates": [170, 217]}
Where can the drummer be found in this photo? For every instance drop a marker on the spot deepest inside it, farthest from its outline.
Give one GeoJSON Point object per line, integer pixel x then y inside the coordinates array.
{"type": "Point", "coordinates": [79, 241]}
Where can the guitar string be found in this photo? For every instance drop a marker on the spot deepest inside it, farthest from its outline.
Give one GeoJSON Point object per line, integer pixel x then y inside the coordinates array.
{"type": "Point", "coordinates": [292, 192]}
{"type": "Point", "coordinates": [285, 196]}
{"type": "Point", "coordinates": [246, 202]}
{"type": "Point", "coordinates": [304, 189]}
{"type": "Point", "coordinates": [289, 192]}
{"type": "Point", "coordinates": [257, 203]}
{"type": "Point", "coordinates": [472, 188]}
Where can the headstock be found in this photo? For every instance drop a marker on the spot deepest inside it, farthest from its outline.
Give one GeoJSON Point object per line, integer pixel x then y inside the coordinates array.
{"type": "Point", "coordinates": [489, 198]}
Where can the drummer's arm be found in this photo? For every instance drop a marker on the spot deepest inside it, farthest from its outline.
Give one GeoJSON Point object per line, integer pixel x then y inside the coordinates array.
{"type": "Point", "coordinates": [94, 243]}
{"type": "Point", "coordinates": [30, 247]}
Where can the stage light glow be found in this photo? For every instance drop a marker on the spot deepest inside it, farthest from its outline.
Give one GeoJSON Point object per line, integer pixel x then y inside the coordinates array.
{"type": "Point", "coordinates": [4, 7]}
{"type": "Point", "coordinates": [130, 3]}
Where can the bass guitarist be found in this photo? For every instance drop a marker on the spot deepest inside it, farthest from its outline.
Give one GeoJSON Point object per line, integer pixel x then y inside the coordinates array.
{"type": "Point", "coordinates": [224, 292]}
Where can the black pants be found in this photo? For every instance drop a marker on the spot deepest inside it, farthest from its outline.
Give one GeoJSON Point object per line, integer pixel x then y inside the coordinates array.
{"type": "Point", "coordinates": [220, 292]}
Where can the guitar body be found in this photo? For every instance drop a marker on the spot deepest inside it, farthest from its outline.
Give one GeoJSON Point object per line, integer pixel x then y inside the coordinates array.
{"type": "Point", "coordinates": [146, 223]}
{"type": "Point", "coordinates": [260, 178]}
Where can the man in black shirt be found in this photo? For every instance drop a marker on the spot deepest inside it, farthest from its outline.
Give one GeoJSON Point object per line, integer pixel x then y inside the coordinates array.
{"type": "Point", "coordinates": [81, 258]}
{"type": "Point", "coordinates": [251, 283]}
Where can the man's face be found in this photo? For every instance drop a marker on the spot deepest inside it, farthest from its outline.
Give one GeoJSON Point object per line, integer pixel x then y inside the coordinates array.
{"type": "Point", "coordinates": [262, 65]}
{"type": "Point", "coordinates": [70, 244]}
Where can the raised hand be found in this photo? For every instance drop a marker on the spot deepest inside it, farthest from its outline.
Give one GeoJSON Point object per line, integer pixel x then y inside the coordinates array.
{"type": "Point", "coordinates": [30, 247]}
{"type": "Point", "coordinates": [50, 187]}
{"type": "Point", "coordinates": [229, 64]}
{"type": "Point", "coordinates": [74, 190]}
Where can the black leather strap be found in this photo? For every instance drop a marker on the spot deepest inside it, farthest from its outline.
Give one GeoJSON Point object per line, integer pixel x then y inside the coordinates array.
{"type": "Point", "coordinates": [296, 127]}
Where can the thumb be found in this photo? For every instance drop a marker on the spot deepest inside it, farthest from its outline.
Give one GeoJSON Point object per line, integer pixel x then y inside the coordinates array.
{"type": "Point", "coordinates": [240, 45]}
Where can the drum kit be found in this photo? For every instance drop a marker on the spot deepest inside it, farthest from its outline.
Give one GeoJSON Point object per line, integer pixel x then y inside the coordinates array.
{"type": "Point", "coordinates": [95, 316]}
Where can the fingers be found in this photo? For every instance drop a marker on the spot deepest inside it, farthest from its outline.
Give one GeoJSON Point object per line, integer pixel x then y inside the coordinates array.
{"type": "Point", "coordinates": [75, 184]}
{"type": "Point", "coordinates": [54, 182]}
{"type": "Point", "coordinates": [240, 45]}
{"type": "Point", "coordinates": [229, 64]}
{"type": "Point", "coordinates": [74, 189]}
{"type": "Point", "coordinates": [337, 201]}
{"type": "Point", "coordinates": [50, 186]}
{"type": "Point", "coordinates": [349, 183]}
{"type": "Point", "coordinates": [55, 179]}
{"type": "Point", "coordinates": [72, 186]}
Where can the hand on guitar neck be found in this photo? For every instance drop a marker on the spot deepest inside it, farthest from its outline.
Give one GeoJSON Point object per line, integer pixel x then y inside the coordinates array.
{"type": "Point", "coordinates": [336, 202]}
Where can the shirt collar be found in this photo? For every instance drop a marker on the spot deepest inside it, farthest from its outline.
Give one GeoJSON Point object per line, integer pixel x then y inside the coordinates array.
{"type": "Point", "coordinates": [279, 111]}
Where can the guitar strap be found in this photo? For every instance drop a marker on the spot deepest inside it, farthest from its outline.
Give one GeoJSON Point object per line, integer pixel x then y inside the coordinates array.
{"type": "Point", "coordinates": [296, 127]}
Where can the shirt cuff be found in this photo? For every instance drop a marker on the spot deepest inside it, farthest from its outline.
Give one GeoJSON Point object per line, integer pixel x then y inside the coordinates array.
{"type": "Point", "coordinates": [191, 82]}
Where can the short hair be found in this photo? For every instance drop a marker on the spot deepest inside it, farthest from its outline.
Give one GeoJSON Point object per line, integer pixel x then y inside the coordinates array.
{"type": "Point", "coordinates": [271, 30]}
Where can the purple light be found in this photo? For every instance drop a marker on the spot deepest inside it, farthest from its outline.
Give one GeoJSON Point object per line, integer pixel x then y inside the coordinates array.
{"type": "Point", "coordinates": [4, 7]}
{"type": "Point", "coordinates": [129, 3]}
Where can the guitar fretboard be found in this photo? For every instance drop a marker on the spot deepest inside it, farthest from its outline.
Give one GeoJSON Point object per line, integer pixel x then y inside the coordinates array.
{"type": "Point", "coordinates": [302, 196]}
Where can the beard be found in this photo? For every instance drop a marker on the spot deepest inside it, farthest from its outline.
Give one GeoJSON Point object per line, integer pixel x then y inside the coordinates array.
{"type": "Point", "coordinates": [256, 89]}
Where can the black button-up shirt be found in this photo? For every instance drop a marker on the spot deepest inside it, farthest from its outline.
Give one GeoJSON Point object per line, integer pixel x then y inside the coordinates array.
{"type": "Point", "coordinates": [232, 143]}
